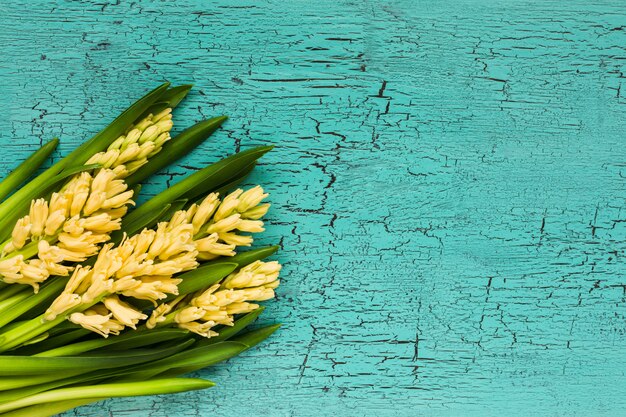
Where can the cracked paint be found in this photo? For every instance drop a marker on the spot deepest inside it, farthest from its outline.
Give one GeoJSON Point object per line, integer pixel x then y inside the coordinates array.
{"type": "Point", "coordinates": [448, 188]}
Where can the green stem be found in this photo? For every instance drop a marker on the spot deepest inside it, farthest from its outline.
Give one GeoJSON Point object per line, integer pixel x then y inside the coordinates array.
{"type": "Point", "coordinates": [15, 383]}
{"type": "Point", "coordinates": [26, 331]}
{"type": "Point", "coordinates": [56, 341]}
{"type": "Point", "coordinates": [13, 289]}
{"type": "Point", "coordinates": [19, 304]}
{"type": "Point", "coordinates": [169, 319]}
{"type": "Point", "coordinates": [127, 389]}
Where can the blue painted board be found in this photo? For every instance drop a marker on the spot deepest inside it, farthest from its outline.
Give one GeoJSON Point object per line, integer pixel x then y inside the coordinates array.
{"type": "Point", "coordinates": [448, 188]}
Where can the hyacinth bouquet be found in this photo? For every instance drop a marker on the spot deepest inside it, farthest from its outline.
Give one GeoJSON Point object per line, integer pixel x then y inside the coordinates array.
{"type": "Point", "coordinates": [101, 298]}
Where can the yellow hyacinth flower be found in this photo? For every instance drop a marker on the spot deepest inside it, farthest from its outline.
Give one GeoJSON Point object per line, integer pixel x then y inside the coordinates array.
{"type": "Point", "coordinates": [144, 267]}
{"type": "Point", "coordinates": [71, 225]}
{"type": "Point", "coordinates": [218, 304]}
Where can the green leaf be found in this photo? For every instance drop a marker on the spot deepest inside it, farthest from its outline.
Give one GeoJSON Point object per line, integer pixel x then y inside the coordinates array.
{"type": "Point", "coordinates": [229, 171]}
{"type": "Point", "coordinates": [204, 276]}
{"type": "Point", "coordinates": [26, 386]}
{"type": "Point", "coordinates": [212, 176]}
{"type": "Point", "coordinates": [122, 389]}
{"type": "Point", "coordinates": [149, 221]}
{"type": "Point", "coordinates": [171, 98]}
{"type": "Point", "coordinates": [54, 342]}
{"type": "Point", "coordinates": [50, 289]}
{"type": "Point", "coordinates": [26, 168]}
{"type": "Point", "coordinates": [78, 375]}
{"type": "Point", "coordinates": [248, 340]}
{"type": "Point", "coordinates": [37, 365]}
{"type": "Point", "coordinates": [195, 280]}
{"type": "Point", "coordinates": [188, 360]}
{"type": "Point", "coordinates": [131, 340]}
{"type": "Point", "coordinates": [213, 271]}
{"type": "Point", "coordinates": [175, 206]}
{"type": "Point", "coordinates": [238, 179]}
{"type": "Point", "coordinates": [51, 409]}
{"type": "Point", "coordinates": [255, 337]}
{"type": "Point", "coordinates": [178, 147]}
{"type": "Point", "coordinates": [191, 359]}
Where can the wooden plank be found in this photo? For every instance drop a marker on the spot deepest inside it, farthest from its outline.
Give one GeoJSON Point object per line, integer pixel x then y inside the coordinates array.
{"type": "Point", "coordinates": [448, 188]}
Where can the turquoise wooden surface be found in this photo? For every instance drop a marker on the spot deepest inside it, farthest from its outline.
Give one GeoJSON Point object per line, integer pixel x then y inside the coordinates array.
{"type": "Point", "coordinates": [448, 188]}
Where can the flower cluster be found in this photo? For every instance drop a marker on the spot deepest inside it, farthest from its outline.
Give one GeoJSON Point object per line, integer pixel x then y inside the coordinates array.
{"type": "Point", "coordinates": [68, 228]}
{"type": "Point", "coordinates": [140, 267]}
{"type": "Point", "coordinates": [131, 151]}
{"type": "Point", "coordinates": [135, 278]}
{"type": "Point", "coordinates": [218, 304]}
{"type": "Point", "coordinates": [239, 211]}
{"type": "Point", "coordinates": [76, 220]}
{"type": "Point", "coordinates": [144, 266]}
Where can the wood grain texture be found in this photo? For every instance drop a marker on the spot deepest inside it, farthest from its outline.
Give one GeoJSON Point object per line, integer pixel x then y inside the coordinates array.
{"type": "Point", "coordinates": [448, 188]}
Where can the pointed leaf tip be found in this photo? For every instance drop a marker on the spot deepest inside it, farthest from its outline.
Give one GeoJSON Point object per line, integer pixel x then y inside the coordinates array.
{"type": "Point", "coordinates": [255, 337]}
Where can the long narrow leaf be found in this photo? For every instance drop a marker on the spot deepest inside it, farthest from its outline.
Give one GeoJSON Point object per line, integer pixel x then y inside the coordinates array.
{"type": "Point", "coordinates": [185, 361]}
{"type": "Point", "coordinates": [248, 340]}
{"type": "Point", "coordinates": [196, 358]}
{"type": "Point", "coordinates": [228, 172]}
{"type": "Point", "coordinates": [129, 340]}
{"type": "Point", "coordinates": [197, 279]}
{"type": "Point", "coordinates": [178, 147]}
{"type": "Point", "coordinates": [174, 365]}
{"type": "Point", "coordinates": [51, 409]}
{"type": "Point", "coordinates": [78, 374]}
{"type": "Point", "coordinates": [31, 385]}
{"type": "Point", "coordinates": [26, 168]}
{"type": "Point", "coordinates": [214, 271]}
{"type": "Point", "coordinates": [174, 207]}
{"type": "Point", "coordinates": [255, 337]}
{"type": "Point", "coordinates": [204, 276]}
{"type": "Point", "coordinates": [126, 389]}
{"type": "Point", "coordinates": [137, 225]}
{"type": "Point", "coordinates": [54, 342]}
{"type": "Point", "coordinates": [238, 179]}
{"type": "Point", "coordinates": [211, 176]}
{"type": "Point", "coordinates": [171, 98]}
{"type": "Point", "coordinates": [33, 365]}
